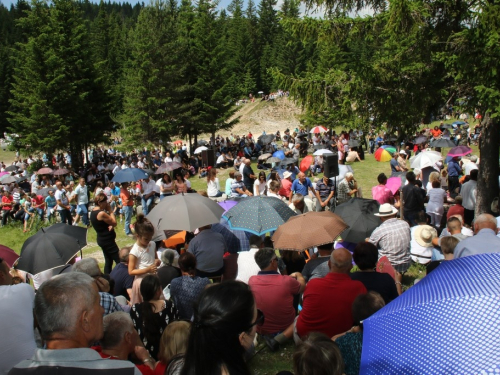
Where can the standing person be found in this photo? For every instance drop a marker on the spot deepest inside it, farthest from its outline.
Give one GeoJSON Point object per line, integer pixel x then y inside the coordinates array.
{"type": "Point", "coordinates": [469, 193]}
{"type": "Point", "coordinates": [127, 207]}
{"type": "Point", "coordinates": [82, 200]}
{"type": "Point", "coordinates": [7, 200]}
{"type": "Point", "coordinates": [413, 200]}
{"type": "Point", "coordinates": [454, 172]}
{"type": "Point", "coordinates": [104, 221]}
{"type": "Point", "coordinates": [143, 259]}
{"type": "Point", "coordinates": [286, 185]}
{"type": "Point", "coordinates": [301, 185]}
{"type": "Point", "coordinates": [213, 186]}
{"type": "Point", "coordinates": [63, 206]}
{"type": "Point", "coordinates": [435, 206]}
{"type": "Point", "coordinates": [147, 187]}
{"type": "Point", "coordinates": [248, 175]}
{"type": "Point", "coordinates": [50, 203]}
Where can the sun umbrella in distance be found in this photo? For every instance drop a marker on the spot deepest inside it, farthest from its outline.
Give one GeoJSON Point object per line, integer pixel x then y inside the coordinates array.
{"type": "Point", "coordinates": [8, 179]}
{"type": "Point", "coordinates": [200, 149]}
{"type": "Point", "coordinates": [382, 155]}
{"type": "Point", "coordinates": [45, 171]}
{"type": "Point", "coordinates": [453, 313]}
{"type": "Point", "coordinates": [258, 215]}
{"type": "Point", "coordinates": [168, 167]}
{"type": "Point", "coordinates": [279, 154]}
{"type": "Point", "coordinates": [306, 163]}
{"type": "Point", "coordinates": [460, 151]}
{"type": "Point", "coordinates": [185, 212]}
{"type": "Point", "coordinates": [12, 168]}
{"type": "Point", "coordinates": [129, 174]}
{"type": "Point", "coordinates": [420, 139]}
{"type": "Point", "coordinates": [442, 142]}
{"type": "Point", "coordinates": [389, 148]}
{"type": "Point", "coordinates": [393, 184]}
{"type": "Point", "coordinates": [425, 159]}
{"type": "Point", "coordinates": [318, 129]}
{"type": "Point", "coordinates": [322, 152]}
{"type": "Point", "coordinates": [265, 156]}
{"type": "Point", "coordinates": [273, 159]}
{"type": "Point", "coordinates": [307, 230]}
{"type": "Point", "coordinates": [358, 213]}
{"type": "Point", "coordinates": [60, 172]}
{"type": "Point", "coordinates": [266, 138]}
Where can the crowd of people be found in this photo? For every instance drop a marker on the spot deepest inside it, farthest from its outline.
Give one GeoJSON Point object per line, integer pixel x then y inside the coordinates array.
{"type": "Point", "coordinates": [198, 307]}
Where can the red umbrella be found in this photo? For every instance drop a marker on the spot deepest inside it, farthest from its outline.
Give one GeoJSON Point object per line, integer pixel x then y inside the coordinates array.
{"type": "Point", "coordinates": [8, 255]}
{"type": "Point", "coordinates": [306, 163]}
{"type": "Point", "coordinates": [60, 172]}
{"type": "Point", "coordinates": [178, 142]}
{"type": "Point", "coordinates": [45, 171]}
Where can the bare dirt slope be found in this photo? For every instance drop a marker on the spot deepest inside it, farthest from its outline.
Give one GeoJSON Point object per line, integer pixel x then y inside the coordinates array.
{"type": "Point", "coordinates": [269, 116]}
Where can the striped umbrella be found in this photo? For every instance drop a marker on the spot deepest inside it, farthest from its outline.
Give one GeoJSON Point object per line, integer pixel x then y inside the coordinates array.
{"type": "Point", "coordinates": [382, 155]}
{"type": "Point", "coordinates": [318, 129]}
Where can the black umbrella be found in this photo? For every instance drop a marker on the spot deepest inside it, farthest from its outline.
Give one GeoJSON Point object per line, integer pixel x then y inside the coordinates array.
{"type": "Point", "coordinates": [201, 142]}
{"type": "Point", "coordinates": [358, 213]}
{"type": "Point", "coordinates": [78, 233]}
{"type": "Point", "coordinates": [320, 146]}
{"type": "Point", "coordinates": [353, 143]}
{"type": "Point", "coordinates": [442, 142]}
{"type": "Point", "coordinates": [45, 191]}
{"type": "Point", "coordinates": [266, 138]}
{"type": "Point", "coordinates": [446, 126]}
{"type": "Point", "coordinates": [12, 168]}
{"type": "Point", "coordinates": [302, 135]}
{"type": "Point", "coordinates": [47, 250]}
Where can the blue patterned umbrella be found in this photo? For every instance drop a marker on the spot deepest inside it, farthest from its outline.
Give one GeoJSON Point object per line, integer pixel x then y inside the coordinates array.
{"type": "Point", "coordinates": [236, 240]}
{"type": "Point", "coordinates": [258, 215]}
{"type": "Point", "coordinates": [446, 324]}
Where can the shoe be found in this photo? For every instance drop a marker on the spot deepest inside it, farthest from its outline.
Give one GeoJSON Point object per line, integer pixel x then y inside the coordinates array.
{"type": "Point", "coordinates": [271, 343]}
{"type": "Point", "coordinates": [130, 235]}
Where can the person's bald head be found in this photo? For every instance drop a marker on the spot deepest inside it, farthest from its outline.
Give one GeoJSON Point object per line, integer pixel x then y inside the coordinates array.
{"type": "Point", "coordinates": [248, 162]}
{"type": "Point", "coordinates": [340, 261]}
{"type": "Point", "coordinates": [484, 221]}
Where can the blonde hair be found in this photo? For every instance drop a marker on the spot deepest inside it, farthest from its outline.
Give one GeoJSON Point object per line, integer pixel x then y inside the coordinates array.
{"type": "Point", "coordinates": [434, 176]}
{"type": "Point", "coordinates": [174, 340]}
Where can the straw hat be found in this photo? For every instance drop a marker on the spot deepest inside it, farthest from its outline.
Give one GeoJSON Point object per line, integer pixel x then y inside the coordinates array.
{"type": "Point", "coordinates": [386, 209]}
{"type": "Point", "coordinates": [424, 234]}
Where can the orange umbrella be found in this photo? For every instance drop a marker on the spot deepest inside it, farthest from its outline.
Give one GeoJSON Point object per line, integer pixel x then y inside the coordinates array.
{"type": "Point", "coordinates": [178, 142]}
{"type": "Point", "coordinates": [176, 239]}
{"type": "Point", "coordinates": [305, 164]}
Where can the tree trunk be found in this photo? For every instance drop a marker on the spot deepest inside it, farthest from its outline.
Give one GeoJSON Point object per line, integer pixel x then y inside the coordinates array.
{"type": "Point", "coordinates": [76, 156]}
{"type": "Point", "coordinates": [487, 183]}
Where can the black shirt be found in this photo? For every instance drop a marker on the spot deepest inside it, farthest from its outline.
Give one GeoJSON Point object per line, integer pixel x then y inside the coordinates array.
{"type": "Point", "coordinates": [311, 266]}
{"type": "Point", "coordinates": [247, 180]}
{"type": "Point", "coordinates": [381, 283]}
{"type": "Point", "coordinates": [123, 280]}
{"type": "Point", "coordinates": [166, 274]}
{"type": "Point", "coordinates": [412, 197]}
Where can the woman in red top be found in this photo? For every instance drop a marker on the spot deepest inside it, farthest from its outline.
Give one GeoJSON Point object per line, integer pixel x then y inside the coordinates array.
{"type": "Point", "coordinates": [7, 200]}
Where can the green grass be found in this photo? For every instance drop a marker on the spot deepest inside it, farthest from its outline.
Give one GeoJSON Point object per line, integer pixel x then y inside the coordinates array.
{"type": "Point", "coordinates": [7, 156]}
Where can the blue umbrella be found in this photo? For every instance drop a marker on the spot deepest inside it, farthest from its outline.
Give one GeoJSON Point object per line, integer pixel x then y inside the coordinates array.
{"type": "Point", "coordinates": [458, 123]}
{"type": "Point", "coordinates": [236, 240]}
{"type": "Point", "coordinates": [279, 154]}
{"type": "Point", "coordinates": [129, 174]}
{"type": "Point", "coordinates": [258, 215]}
{"type": "Point", "coordinates": [446, 324]}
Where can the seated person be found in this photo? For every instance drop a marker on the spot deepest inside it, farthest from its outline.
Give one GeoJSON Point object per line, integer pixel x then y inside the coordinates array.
{"type": "Point", "coordinates": [221, 161]}
{"type": "Point", "coordinates": [448, 245]}
{"type": "Point", "coordinates": [238, 188]}
{"type": "Point", "coordinates": [323, 255]}
{"type": "Point", "coordinates": [352, 156]}
{"type": "Point", "coordinates": [365, 256]}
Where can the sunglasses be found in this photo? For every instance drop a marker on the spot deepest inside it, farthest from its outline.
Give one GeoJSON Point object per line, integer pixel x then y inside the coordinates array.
{"type": "Point", "coordinates": [260, 319]}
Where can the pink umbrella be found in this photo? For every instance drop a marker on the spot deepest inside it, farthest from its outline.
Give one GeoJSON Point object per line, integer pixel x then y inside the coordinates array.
{"type": "Point", "coordinates": [4, 173]}
{"type": "Point", "coordinates": [45, 171]}
{"type": "Point", "coordinates": [393, 184]}
{"type": "Point", "coordinates": [460, 151]}
{"type": "Point", "coordinates": [8, 255]}
{"type": "Point", "coordinates": [60, 172]}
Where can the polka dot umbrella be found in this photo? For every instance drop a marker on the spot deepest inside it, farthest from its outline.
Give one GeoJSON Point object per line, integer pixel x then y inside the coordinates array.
{"type": "Point", "coordinates": [258, 215]}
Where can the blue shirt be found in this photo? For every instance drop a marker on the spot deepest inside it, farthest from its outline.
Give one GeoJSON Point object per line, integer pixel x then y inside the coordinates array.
{"type": "Point", "coordinates": [298, 187]}
{"type": "Point", "coordinates": [485, 241]}
{"type": "Point", "coordinates": [51, 201]}
{"type": "Point", "coordinates": [454, 169]}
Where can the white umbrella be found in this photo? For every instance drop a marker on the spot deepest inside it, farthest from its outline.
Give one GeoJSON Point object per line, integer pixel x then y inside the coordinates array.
{"type": "Point", "coordinates": [322, 151]}
{"type": "Point", "coordinates": [200, 149]}
{"type": "Point", "coordinates": [318, 129]}
{"type": "Point", "coordinates": [425, 159]}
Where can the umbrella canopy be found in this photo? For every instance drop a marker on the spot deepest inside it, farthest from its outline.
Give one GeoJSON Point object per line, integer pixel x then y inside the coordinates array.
{"type": "Point", "coordinates": [265, 156]}
{"type": "Point", "coordinates": [200, 149]}
{"type": "Point", "coordinates": [446, 126]}
{"type": "Point", "coordinates": [353, 142]}
{"type": "Point", "coordinates": [393, 184]}
{"type": "Point", "coordinates": [279, 154]}
{"type": "Point", "coordinates": [419, 140]}
{"type": "Point", "coordinates": [458, 123]}
{"type": "Point", "coordinates": [60, 172]}
{"type": "Point", "coordinates": [288, 161]}
{"type": "Point", "coordinates": [7, 179]}
{"type": "Point", "coordinates": [78, 233]}
{"type": "Point", "coordinates": [358, 213]}
{"type": "Point", "coordinates": [8, 255]}
{"type": "Point", "coordinates": [425, 159]}
{"type": "Point", "coordinates": [301, 135]}
{"type": "Point", "coordinates": [453, 313]}
{"type": "Point", "coordinates": [227, 205]}
{"type": "Point", "coordinates": [442, 142]}
{"type": "Point", "coordinates": [260, 92]}
{"type": "Point", "coordinates": [202, 142]}
{"type": "Point", "coordinates": [382, 155]}
{"type": "Point", "coordinates": [266, 138]}
{"type": "Point", "coordinates": [45, 171]}
{"type": "Point", "coordinates": [4, 174]}
{"type": "Point", "coordinates": [185, 212]}
{"type": "Point", "coordinates": [177, 142]}
{"type": "Point", "coordinates": [322, 152]}
{"type": "Point", "coordinates": [258, 215]}
{"type": "Point", "coordinates": [129, 174]}
{"type": "Point", "coordinates": [44, 251]}
{"type": "Point", "coordinates": [242, 236]}
{"type": "Point", "coordinates": [306, 163]}
{"type": "Point", "coordinates": [273, 160]}
{"type": "Point", "coordinates": [318, 129]}
{"type": "Point", "coordinates": [390, 149]}
{"type": "Point", "coordinates": [45, 191]}
{"type": "Point", "coordinates": [319, 147]}
{"type": "Point", "coordinates": [460, 151]}
{"type": "Point", "coordinates": [308, 230]}
{"type": "Point", "coordinates": [12, 168]}
{"type": "Point", "coordinates": [168, 167]}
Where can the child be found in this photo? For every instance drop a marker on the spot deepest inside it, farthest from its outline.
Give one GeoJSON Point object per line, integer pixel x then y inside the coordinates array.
{"type": "Point", "coordinates": [143, 259]}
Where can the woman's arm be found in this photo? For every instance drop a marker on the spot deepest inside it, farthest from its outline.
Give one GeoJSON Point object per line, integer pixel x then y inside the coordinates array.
{"type": "Point", "coordinates": [109, 219]}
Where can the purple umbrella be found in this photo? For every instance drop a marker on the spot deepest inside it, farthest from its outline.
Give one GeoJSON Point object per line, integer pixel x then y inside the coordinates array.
{"type": "Point", "coordinates": [460, 151]}
{"type": "Point", "coordinates": [226, 205]}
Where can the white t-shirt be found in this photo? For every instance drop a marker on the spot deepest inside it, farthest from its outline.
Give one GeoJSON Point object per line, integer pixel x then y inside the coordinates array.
{"type": "Point", "coordinates": [61, 195]}
{"type": "Point", "coordinates": [213, 187]}
{"type": "Point", "coordinates": [247, 267]}
{"type": "Point", "coordinates": [145, 257]}
{"type": "Point", "coordinates": [148, 187]}
{"type": "Point", "coordinates": [17, 339]}
{"type": "Point", "coordinates": [260, 186]}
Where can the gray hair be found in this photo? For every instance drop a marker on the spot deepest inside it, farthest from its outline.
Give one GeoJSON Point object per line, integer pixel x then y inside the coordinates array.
{"type": "Point", "coordinates": [264, 257]}
{"type": "Point", "coordinates": [348, 175]}
{"type": "Point", "coordinates": [473, 158]}
{"type": "Point", "coordinates": [60, 301]}
{"type": "Point", "coordinates": [167, 257]}
{"type": "Point", "coordinates": [297, 198]}
{"type": "Point", "coordinates": [487, 219]}
{"type": "Point", "coordinates": [88, 266]}
{"type": "Point", "coordinates": [115, 326]}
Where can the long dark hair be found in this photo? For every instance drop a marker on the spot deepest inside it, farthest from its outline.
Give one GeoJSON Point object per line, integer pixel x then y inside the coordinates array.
{"type": "Point", "coordinates": [222, 313]}
{"type": "Point", "coordinates": [151, 321]}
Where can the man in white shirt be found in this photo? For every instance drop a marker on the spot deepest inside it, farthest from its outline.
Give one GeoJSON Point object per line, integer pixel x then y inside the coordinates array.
{"type": "Point", "coordinates": [469, 193]}
{"type": "Point", "coordinates": [471, 165]}
{"type": "Point", "coordinates": [148, 193]}
{"type": "Point", "coordinates": [82, 200]}
{"type": "Point", "coordinates": [247, 267]}
{"type": "Point", "coordinates": [63, 207]}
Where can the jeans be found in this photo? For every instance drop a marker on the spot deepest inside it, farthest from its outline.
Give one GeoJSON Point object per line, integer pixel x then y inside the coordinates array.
{"type": "Point", "coordinates": [128, 211]}
{"type": "Point", "coordinates": [50, 213]}
{"type": "Point", "coordinates": [146, 204]}
{"type": "Point", "coordinates": [6, 214]}
{"type": "Point", "coordinates": [41, 213]}
{"type": "Point", "coordinates": [65, 217]}
{"type": "Point", "coordinates": [219, 194]}
{"type": "Point", "coordinates": [83, 211]}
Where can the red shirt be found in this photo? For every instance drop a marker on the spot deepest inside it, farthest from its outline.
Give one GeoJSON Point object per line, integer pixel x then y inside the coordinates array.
{"type": "Point", "coordinates": [436, 133]}
{"type": "Point", "coordinates": [8, 200]}
{"type": "Point", "coordinates": [286, 188]}
{"type": "Point", "coordinates": [145, 370]}
{"type": "Point", "coordinates": [274, 296]}
{"type": "Point", "coordinates": [456, 209]}
{"type": "Point", "coordinates": [39, 201]}
{"type": "Point", "coordinates": [327, 304]}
